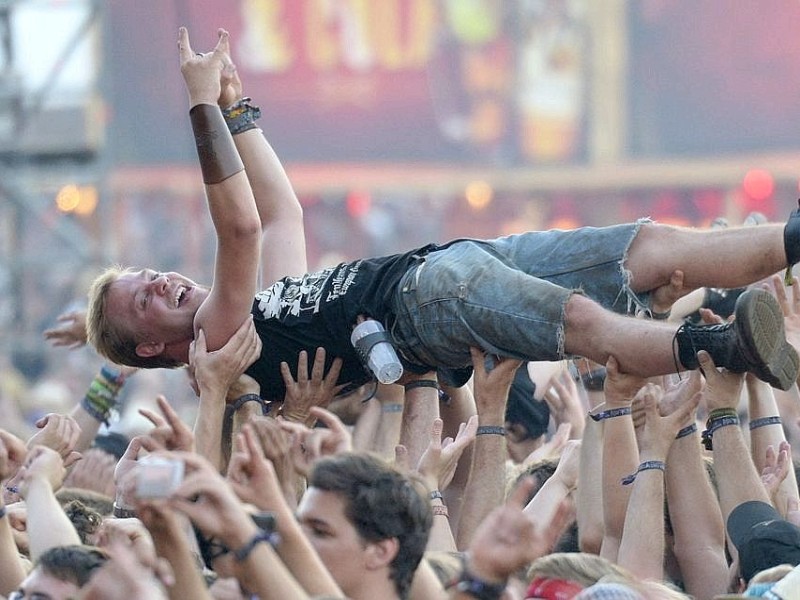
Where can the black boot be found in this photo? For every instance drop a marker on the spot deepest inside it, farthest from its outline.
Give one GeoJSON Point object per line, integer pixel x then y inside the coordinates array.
{"type": "Point", "coordinates": [755, 341]}
{"type": "Point", "coordinates": [791, 238]}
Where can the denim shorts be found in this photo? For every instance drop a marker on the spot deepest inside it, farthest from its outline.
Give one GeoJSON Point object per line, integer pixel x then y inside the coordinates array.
{"type": "Point", "coordinates": [508, 295]}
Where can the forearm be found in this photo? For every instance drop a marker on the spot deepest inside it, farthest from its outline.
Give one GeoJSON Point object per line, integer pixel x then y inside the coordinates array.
{"type": "Point", "coordinates": [441, 537]}
{"type": "Point", "coordinates": [458, 409]}
{"type": "Point", "coordinates": [641, 549]}
{"type": "Point", "coordinates": [170, 543]}
{"type": "Point", "coordinates": [48, 525]}
{"type": "Point", "coordinates": [737, 479]}
{"type": "Point", "coordinates": [698, 530]}
{"type": "Point", "coordinates": [421, 408]}
{"type": "Point", "coordinates": [486, 487]}
{"type": "Point", "coordinates": [12, 572]}
{"type": "Point", "coordinates": [388, 428]}
{"type": "Point", "coordinates": [620, 458]}
{"type": "Point", "coordinates": [426, 585]}
{"type": "Point", "coordinates": [264, 575]}
{"type": "Point", "coordinates": [543, 506]}
{"type": "Point", "coordinates": [302, 560]}
{"type": "Point", "coordinates": [764, 432]}
{"type": "Point", "coordinates": [208, 428]}
{"type": "Point", "coordinates": [590, 491]}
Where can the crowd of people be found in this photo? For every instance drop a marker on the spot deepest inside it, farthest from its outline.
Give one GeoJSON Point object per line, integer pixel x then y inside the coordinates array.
{"type": "Point", "coordinates": [561, 430]}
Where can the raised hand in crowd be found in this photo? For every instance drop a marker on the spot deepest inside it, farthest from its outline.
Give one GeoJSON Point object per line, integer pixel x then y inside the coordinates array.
{"type": "Point", "coordinates": [552, 448]}
{"type": "Point", "coordinates": [71, 330]}
{"type": "Point", "coordinates": [277, 446]}
{"type": "Point", "coordinates": [777, 464]}
{"type": "Point", "coordinates": [212, 505]}
{"type": "Point", "coordinates": [438, 463]}
{"type": "Point", "coordinates": [253, 478]}
{"type": "Point", "coordinates": [59, 432]}
{"type": "Point", "coordinates": [170, 431]}
{"type": "Point", "coordinates": [306, 392]}
{"type": "Point", "coordinates": [47, 524]}
{"type": "Point", "coordinates": [309, 445]}
{"type": "Point", "coordinates": [507, 540]}
{"type": "Point", "coordinates": [642, 545]}
{"type": "Point", "coordinates": [565, 402]}
{"type": "Point", "coordinates": [95, 471]}
{"type": "Point", "coordinates": [486, 485]}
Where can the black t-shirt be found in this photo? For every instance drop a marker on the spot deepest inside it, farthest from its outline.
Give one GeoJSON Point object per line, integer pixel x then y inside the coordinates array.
{"type": "Point", "coordinates": [320, 309]}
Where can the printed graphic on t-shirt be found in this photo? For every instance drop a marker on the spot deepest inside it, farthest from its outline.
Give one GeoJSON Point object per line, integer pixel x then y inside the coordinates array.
{"type": "Point", "coordinates": [294, 297]}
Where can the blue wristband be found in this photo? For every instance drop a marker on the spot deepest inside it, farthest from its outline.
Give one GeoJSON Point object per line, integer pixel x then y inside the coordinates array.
{"type": "Point", "coordinates": [645, 466]}
{"type": "Point", "coordinates": [611, 413]}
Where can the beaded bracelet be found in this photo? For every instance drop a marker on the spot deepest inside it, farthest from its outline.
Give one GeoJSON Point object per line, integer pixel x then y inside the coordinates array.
{"type": "Point", "coordinates": [611, 413]}
{"type": "Point", "coordinates": [645, 466]}
{"type": "Point", "coordinates": [440, 510]}
{"type": "Point", "coordinates": [689, 430]}
{"type": "Point", "coordinates": [764, 421]}
{"type": "Point", "coordinates": [436, 495]}
{"type": "Point", "coordinates": [491, 430]}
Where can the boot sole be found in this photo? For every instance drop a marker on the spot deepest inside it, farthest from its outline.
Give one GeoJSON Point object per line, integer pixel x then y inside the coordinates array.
{"type": "Point", "coordinates": [761, 334]}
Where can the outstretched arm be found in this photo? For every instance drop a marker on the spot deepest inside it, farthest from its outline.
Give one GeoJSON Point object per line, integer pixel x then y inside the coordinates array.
{"type": "Point", "coordinates": [284, 244]}
{"type": "Point", "coordinates": [230, 198]}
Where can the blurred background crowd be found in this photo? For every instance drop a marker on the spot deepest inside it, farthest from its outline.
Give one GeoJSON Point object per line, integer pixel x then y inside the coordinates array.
{"type": "Point", "coordinates": [400, 122]}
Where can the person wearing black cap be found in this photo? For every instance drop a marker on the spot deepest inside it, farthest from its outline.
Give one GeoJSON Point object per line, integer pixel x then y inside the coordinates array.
{"type": "Point", "coordinates": [761, 537]}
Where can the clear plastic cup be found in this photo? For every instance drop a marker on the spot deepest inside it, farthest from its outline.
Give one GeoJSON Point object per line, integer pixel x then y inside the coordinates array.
{"type": "Point", "coordinates": [383, 360]}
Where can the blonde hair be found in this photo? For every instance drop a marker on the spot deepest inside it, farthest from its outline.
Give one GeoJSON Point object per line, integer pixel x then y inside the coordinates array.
{"type": "Point", "coordinates": [111, 338]}
{"type": "Point", "coordinates": [580, 567]}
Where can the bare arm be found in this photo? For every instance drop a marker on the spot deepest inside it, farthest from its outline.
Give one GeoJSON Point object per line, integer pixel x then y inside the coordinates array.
{"type": "Point", "coordinates": [764, 432]}
{"type": "Point", "coordinates": [620, 454]}
{"type": "Point", "coordinates": [229, 195]}
{"type": "Point", "coordinates": [284, 245]}
{"type": "Point", "coordinates": [486, 486]}
{"type": "Point", "coordinates": [699, 533]}
{"type": "Point", "coordinates": [642, 547]}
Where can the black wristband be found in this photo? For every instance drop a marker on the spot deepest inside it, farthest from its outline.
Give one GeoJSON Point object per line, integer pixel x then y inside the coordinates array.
{"type": "Point", "coordinates": [244, 399]}
{"type": "Point", "coordinates": [491, 430]}
{"type": "Point", "coordinates": [218, 156]}
{"type": "Point", "coordinates": [472, 585]}
{"type": "Point", "coordinates": [123, 513]}
{"type": "Point", "coordinates": [242, 553]}
{"type": "Point", "coordinates": [419, 383]}
{"type": "Point", "coordinates": [2, 511]}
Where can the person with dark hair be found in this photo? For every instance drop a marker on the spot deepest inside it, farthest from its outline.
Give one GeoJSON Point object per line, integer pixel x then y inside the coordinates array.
{"type": "Point", "coordinates": [368, 522]}
{"type": "Point", "coordinates": [60, 573]}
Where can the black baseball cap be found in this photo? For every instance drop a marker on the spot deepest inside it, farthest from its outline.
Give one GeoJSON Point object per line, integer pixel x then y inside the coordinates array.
{"type": "Point", "coordinates": [763, 538]}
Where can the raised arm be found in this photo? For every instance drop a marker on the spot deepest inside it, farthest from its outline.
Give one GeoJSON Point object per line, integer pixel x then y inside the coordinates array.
{"type": "Point", "coordinates": [699, 533]}
{"type": "Point", "coordinates": [230, 197]}
{"type": "Point", "coordinates": [284, 245]}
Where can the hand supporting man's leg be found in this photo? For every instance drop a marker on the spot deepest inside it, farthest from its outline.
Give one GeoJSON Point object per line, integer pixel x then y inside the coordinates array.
{"type": "Point", "coordinates": [754, 342]}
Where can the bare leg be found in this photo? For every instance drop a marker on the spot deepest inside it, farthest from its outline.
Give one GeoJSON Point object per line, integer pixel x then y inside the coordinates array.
{"type": "Point", "coordinates": [642, 347]}
{"type": "Point", "coordinates": [724, 258]}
